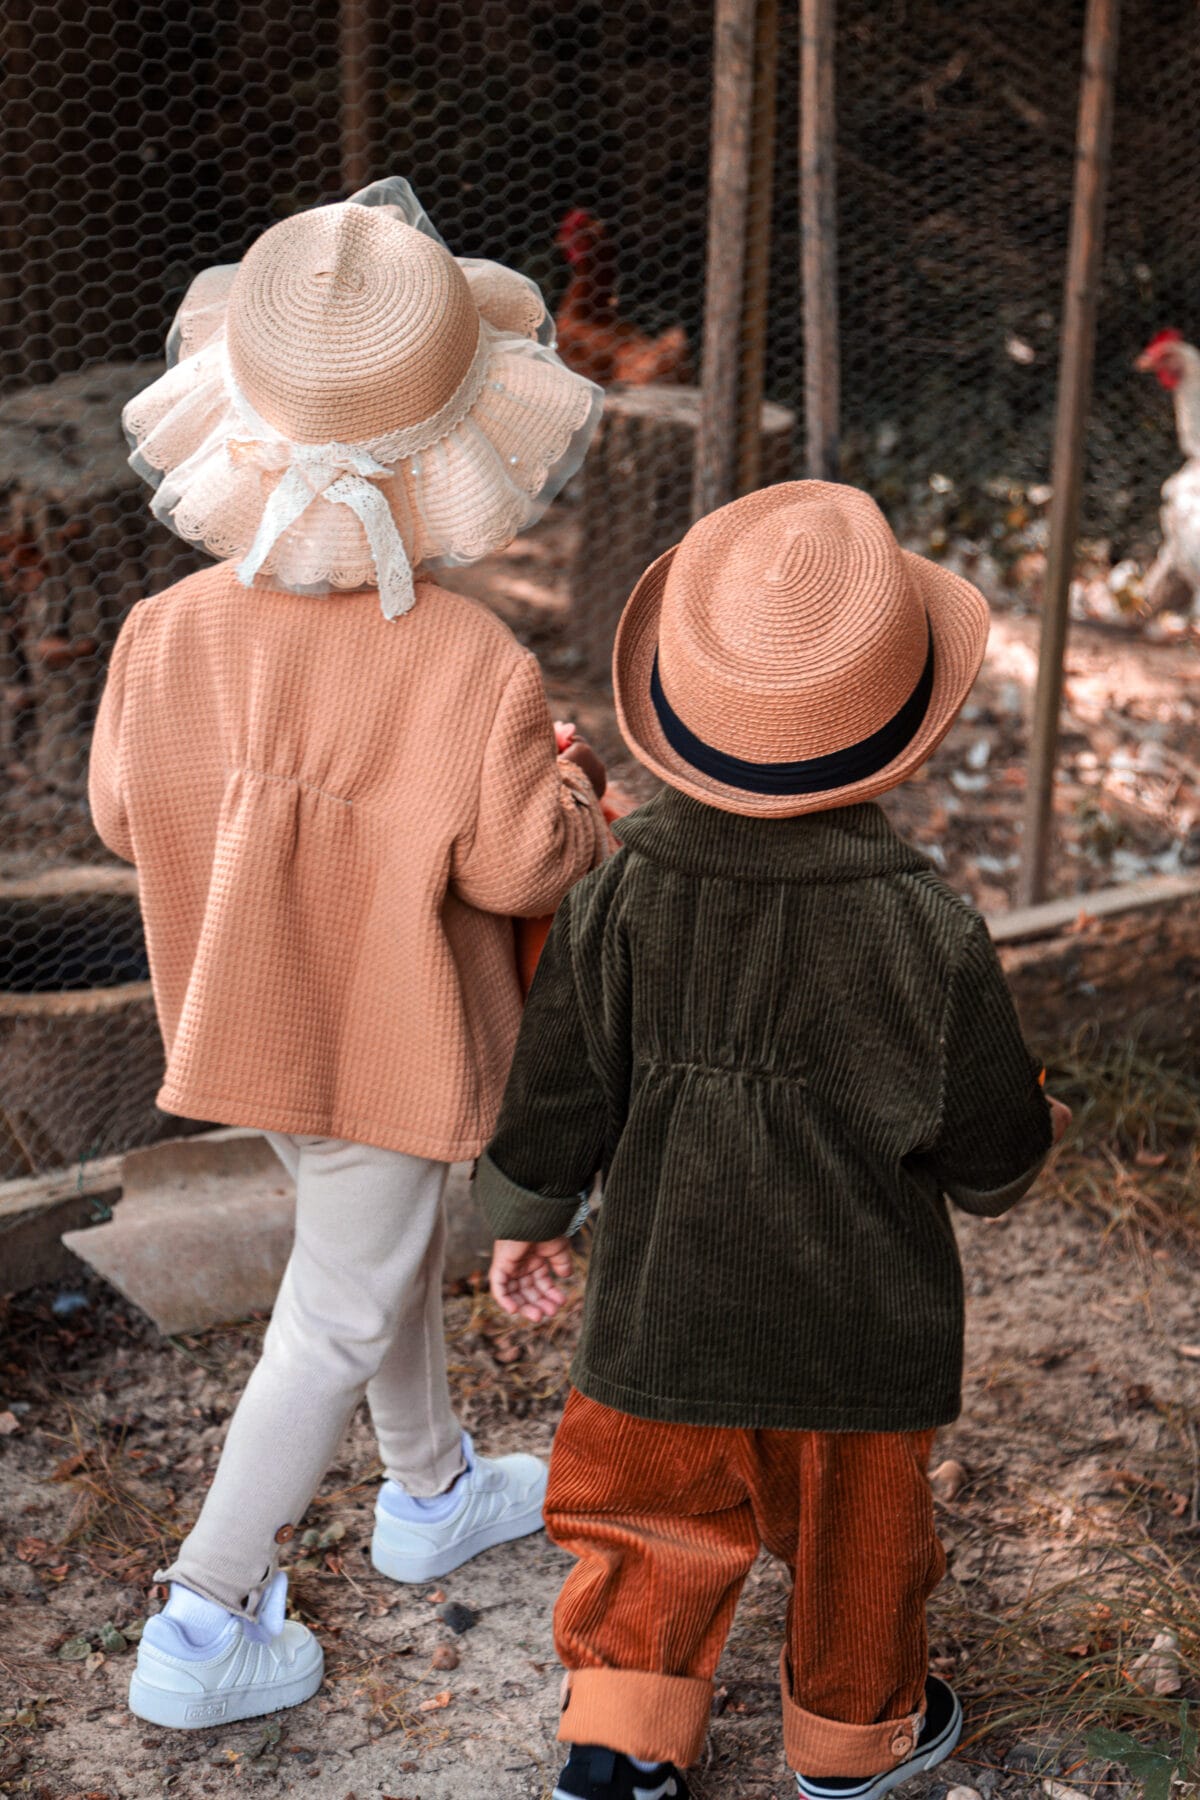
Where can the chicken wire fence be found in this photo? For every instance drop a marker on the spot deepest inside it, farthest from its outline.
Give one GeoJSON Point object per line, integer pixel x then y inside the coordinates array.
{"type": "Point", "coordinates": [140, 145]}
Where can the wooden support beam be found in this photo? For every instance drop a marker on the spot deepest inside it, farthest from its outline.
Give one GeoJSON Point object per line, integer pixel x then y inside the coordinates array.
{"type": "Point", "coordinates": [1084, 254]}
{"type": "Point", "coordinates": [818, 229]}
{"type": "Point", "coordinates": [355, 54]}
{"type": "Point", "coordinates": [715, 481]}
{"type": "Point", "coordinates": [758, 249]}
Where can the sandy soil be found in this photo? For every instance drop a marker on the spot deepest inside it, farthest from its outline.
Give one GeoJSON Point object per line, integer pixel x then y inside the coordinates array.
{"type": "Point", "coordinates": [1074, 1439]}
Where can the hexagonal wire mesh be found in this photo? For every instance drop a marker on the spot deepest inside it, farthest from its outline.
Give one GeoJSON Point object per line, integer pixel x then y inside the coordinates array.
{"type": "Point", "coordinates": [139, 147]}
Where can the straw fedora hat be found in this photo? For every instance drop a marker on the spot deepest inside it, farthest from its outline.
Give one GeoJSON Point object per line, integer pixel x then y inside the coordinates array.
{"type": "Point", "coordinates": [788, 656]}
{"type": "Point", "coordinates": [351, 402]}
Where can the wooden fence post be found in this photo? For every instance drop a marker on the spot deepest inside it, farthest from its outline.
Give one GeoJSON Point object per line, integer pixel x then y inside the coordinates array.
{"type": "Point", "coordinates": [757, 284]}
{"type": "Point", "coordinates": [1084, 255]}
{"type": "Point", "coordinates": [715, 480]}
{"type": "Point", "coordinates": [818, 226]}
{"type": "Point", "coordinates": [355, 56]}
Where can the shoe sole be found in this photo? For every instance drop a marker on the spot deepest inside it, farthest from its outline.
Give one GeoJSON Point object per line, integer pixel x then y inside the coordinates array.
{"type": "Point", "coordinates": [196, 1712]}
{"type": "Point", "coordinates": [927, 1758]}
{"type": "Point", "coordinates": [400, 1565]}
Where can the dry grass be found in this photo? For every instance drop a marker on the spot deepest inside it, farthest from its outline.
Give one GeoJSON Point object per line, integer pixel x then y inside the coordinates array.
{"type": "Point", "coordinates": [1132, 1157]}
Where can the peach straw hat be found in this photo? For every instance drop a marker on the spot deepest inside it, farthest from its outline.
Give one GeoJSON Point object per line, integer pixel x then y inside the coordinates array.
{"type": "Point", "coordinates": [351, 402]}
{"type": "Point", "coordinates": [788, 656]}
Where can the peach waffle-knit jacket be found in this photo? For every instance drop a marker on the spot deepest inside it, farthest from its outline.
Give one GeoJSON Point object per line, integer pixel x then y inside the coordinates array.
{"type": "Point", "coordinates": [334, 818]}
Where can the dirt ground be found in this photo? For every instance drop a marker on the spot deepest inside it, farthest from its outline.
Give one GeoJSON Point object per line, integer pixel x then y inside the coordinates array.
{"type": "Point", "coordinates": [1074, 1536]}
{"type": "Point", "coordinates": [1073, 1543]}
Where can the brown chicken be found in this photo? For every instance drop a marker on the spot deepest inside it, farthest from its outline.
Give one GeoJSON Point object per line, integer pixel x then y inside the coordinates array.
{"type": "Point", "coordinates": [592, 339]}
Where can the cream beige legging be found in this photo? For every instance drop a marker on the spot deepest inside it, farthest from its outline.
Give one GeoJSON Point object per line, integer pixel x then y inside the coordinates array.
{"type": "Point", "coordinates": [359, 1310]}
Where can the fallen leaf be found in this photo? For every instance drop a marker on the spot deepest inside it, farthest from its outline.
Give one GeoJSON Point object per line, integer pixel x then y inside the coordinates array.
{"type": "Point", "coordinates": [332, 1534]}
{"type": "Point", "coordinates": [1156, 1671]}
{"type": "Point", "coordinates": [1058, 1790]}
{"type": "Point", "coordinates": [93, 1662]}
{"type": "Point", "coordinates": [437, 1702]}
{"type": "Point", "coordinates": [76, 1649]}
{"type": "Point", "coordinates": [9, 1423]}
{"type": "Point", "coordinates": [435, 1597]}
{"type": "Point", "coordinates": [445, 1657]}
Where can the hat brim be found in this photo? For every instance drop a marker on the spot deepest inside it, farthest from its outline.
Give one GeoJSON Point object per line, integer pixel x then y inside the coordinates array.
{"type": "Point", "coordinates": [959, 619]}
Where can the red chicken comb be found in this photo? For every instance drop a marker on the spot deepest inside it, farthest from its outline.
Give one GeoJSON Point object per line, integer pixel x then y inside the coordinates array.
{"type": "Point", "coordinates": [578, 219]}
{"type": "Point", "coordinates": [1151, 360]}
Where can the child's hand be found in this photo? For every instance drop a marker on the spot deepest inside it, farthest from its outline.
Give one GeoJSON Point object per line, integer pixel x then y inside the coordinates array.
{"type": "Point", "coordinates": [522, 1277]}
{"type": "Point", "coordinates": [1060, 1118]}
{"type": "Point", "coordinates": [573, 748]}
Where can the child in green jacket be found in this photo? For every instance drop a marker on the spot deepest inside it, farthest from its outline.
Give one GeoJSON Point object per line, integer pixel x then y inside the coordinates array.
{"type": "Point", "coordinates": [785, 1043]}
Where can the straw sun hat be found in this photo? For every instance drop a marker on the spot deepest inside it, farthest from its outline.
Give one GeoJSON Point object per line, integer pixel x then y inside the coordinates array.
{"type": "Point", "coordinates": [788, 656]}
{"type": "Point", "coordinates": [352, 401]}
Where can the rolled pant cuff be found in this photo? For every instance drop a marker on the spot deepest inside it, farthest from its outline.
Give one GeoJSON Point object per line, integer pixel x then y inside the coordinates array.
{"type": "Point", "coordinates": [821, 1747]}
{"type": "Point", "coordinates": [657, 1718]}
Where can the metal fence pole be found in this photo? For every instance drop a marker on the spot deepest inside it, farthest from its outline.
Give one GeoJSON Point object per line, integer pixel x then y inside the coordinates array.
{"type": "Point", "coordinates": [715, 480]}
{"type": "Point", "coordinates": [1074, 398]}
{"type": "Point", "coordinates": [818, 223]}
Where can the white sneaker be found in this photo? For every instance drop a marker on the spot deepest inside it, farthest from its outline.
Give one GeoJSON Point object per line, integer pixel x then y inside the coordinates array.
{"type": "Point", "coordinates": [498, 1498]}
{"type": "Point", "coordinates": [198, 1665]}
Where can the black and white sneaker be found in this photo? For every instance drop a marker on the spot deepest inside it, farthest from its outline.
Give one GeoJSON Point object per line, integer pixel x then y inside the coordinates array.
{"type": "Point", "coordinates": [941, 1729]}
{"type": "Point", "coordinates": [592, 1773]}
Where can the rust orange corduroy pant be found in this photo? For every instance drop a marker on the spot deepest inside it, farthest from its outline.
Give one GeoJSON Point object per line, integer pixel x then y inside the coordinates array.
{"type": "Point", "coordinates": [666, 1521]}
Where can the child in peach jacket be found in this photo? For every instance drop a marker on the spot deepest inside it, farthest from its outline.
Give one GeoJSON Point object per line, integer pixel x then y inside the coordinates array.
{"type": "Point", "coordinates": [336, 802]}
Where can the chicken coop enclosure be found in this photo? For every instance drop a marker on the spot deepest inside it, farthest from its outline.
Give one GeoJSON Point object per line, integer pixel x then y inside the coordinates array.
{"type": "Point", "coordinates": [574, 141]}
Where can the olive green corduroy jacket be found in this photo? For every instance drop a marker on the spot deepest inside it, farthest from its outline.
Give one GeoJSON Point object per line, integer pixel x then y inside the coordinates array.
{"type": "Point", "coordinates": [784, 1043]}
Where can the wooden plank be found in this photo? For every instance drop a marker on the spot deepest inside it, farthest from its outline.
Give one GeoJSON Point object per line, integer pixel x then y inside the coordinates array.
{"type": "Point", "coordinates": [818, 228]}
{"type": "Point", "coordinates": [751, 385]}
{"type": "Point", "coordinates": [1084, 254]}
{"type": "Point", "coordinates": [715, 480]}
{"type": "Point", "coordinates": [35, 1193]}
{"type": "Point", "coordinates": [36, 1211]}
{"type": "Point", "coordinates": [1050, 917]}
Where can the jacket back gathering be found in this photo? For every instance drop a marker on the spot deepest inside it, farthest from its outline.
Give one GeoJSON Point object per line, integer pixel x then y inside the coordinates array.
{"type": "Point", "coordinates": [784, 1043]}
{"type": "Point", "coordinates": [334, 818]}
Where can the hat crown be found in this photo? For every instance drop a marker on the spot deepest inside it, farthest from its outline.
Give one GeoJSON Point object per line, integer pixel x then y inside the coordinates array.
{"type": "Point", "coordinates": [345, 324]}
{"type": "Point", "coordinates": [790, 626]}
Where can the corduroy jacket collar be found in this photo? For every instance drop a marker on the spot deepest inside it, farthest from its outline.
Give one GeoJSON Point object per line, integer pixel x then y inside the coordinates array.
{"type": "Point", "coordinates": [844, 844]}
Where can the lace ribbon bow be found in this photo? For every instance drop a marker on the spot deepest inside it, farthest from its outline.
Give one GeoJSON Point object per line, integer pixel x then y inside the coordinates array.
{"type": "Point", "coordinates": [344, 475]}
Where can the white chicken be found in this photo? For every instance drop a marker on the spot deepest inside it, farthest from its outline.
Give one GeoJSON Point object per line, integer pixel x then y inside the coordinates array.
{"type": "Point", "coordinates": [1174, 579]}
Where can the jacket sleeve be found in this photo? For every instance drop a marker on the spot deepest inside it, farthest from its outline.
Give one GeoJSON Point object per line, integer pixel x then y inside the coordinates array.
{"type": "Point", "coordinates": [106, 795]}
{"type": "Point", "coordinates": [538, 826]}
{"type": "Point", "coordinates": [995, 1130]}
{"type": "Point", "coordinates": [550, 1138]}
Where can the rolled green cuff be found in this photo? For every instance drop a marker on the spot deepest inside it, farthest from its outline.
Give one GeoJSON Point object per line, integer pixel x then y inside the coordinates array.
{"type": "Point", "coordinates": [516, 1212]}
{"type": "Point", "coordinates": [990, 1205]}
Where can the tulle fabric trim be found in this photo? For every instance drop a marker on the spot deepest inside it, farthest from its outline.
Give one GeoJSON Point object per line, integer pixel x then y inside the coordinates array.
{"type": "Point", "coordinates": [481, 473]}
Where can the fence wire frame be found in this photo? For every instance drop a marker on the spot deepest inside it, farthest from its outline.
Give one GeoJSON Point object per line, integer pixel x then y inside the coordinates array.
{"type": "Point", "coordinates": [137, 148]}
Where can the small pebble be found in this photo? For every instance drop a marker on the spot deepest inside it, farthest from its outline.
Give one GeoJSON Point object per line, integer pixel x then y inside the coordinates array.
{"type": "Point", "coordinates": [963, 1793]}
{"type": "Point", "coordinates": [948, 1480]}
{"type": "Point", "coordinates": [458, 1618]}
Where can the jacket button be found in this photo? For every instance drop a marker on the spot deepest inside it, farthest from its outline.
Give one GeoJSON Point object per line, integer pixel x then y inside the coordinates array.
{"type": "Point", "coordinates": [901, 1744]}
{"type": "Point", "coordinates": [285, 1534]}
